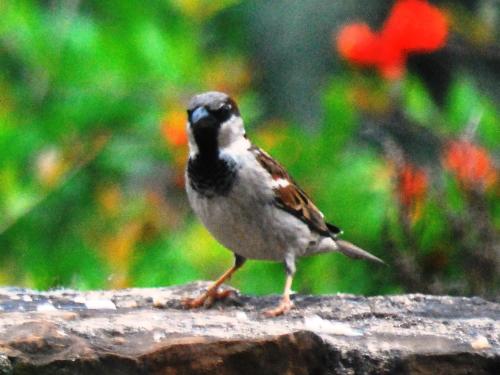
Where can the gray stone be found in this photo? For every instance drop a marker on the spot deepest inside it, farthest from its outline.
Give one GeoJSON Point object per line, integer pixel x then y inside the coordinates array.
{"type": "Point", "coordinates": [146, 331]}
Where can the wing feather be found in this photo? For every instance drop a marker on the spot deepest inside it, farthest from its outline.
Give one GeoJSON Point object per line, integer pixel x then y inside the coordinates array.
{"type": "Point", "coordinates": [291, 198]}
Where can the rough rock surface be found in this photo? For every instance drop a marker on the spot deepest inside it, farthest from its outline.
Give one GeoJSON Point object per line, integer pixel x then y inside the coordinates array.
{"type": "Point", "coordinates": [146, 331]}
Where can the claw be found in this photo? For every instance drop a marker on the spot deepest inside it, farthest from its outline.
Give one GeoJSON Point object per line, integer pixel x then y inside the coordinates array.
{"type": "Point", "coordinates": [207, 299]}
{"type": "Point", "coordinates": [212, 294]}
{"type": "Point", "coordinates": [284, 307]}
{"type": "Point", "coordinates": [193, 303]}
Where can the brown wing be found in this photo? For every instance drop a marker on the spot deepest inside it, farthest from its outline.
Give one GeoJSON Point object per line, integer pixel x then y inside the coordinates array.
{"type": "Point", "coordinates": [291, 198]}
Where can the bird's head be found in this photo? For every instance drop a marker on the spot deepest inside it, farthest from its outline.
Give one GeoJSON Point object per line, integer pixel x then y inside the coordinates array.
{"type": "Point", "coordinates": [214, 123]}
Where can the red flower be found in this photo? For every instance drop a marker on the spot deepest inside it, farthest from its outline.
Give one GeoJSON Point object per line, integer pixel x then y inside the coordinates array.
{"type": "Point", "coordinates": [412, 26]}
{"type": "Point", "coordinates": [471, 165]}
{"type": "Point", "coordinates": [391, 61]}
{"type": "Point", "coordinates": [411, 185]}
{"type": "Point", "coordinates": [415, 26]}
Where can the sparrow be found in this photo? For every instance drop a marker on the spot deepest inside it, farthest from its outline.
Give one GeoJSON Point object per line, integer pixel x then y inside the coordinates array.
{"type": "Point", "coordinates": [248, 201]}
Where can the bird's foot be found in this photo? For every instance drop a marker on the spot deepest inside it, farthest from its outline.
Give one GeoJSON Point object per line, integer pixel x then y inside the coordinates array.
{"type": "Point", "coordinates": [285, 306]}
{"type": "Point", "coordinates": [207, 299]}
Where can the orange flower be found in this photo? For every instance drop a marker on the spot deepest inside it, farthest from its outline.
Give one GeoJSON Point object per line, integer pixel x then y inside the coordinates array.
{"type": "Point", "coordinates": [174, 128]}
{"type": "Point", "coordinates": [174, 132]}
{"type": "Point", "coordinates": [357, 43]}
{"type": "Point", "coordinates": [412, 185]}
{"type": "Point", "coordinates": [471, 164]}
{"type": "Point", "coordinates": [412, 26]}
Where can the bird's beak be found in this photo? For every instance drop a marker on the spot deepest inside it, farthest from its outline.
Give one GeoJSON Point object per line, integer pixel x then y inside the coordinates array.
{"type": "Point", "coordinates": [198, 115]}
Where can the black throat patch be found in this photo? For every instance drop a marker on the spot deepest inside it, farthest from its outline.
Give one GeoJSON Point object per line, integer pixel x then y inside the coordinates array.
{"type": "Point", "coordinates": [211, 176]}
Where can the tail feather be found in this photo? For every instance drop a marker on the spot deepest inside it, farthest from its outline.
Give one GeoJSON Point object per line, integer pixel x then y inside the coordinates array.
{"type": "Point", "coordinates": [353, 251]}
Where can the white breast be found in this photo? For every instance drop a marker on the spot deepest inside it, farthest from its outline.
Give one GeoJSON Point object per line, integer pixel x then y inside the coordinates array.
{"type": "Point", "coordinates": [247, 221]}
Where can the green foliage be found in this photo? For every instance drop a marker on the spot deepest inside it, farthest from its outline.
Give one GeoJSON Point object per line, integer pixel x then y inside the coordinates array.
{"type": "Point", "coordinates": [92, 151]}
{"type": "Point", "coordinates": [418, 103]}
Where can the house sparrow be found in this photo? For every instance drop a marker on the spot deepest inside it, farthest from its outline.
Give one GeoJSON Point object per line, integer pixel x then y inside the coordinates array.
{"type": "Point", "coordinates": [247, 200]}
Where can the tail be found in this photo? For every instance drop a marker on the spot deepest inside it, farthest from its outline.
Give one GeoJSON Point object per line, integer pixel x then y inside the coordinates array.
{"type": "Point", "coordinates": [353, 251]}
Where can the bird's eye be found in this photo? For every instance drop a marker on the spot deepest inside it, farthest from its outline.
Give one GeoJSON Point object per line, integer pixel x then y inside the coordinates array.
{"type": "Point", "coordinates": [224, 112]}
{"type": "Point", "coordinates": [226, 108]}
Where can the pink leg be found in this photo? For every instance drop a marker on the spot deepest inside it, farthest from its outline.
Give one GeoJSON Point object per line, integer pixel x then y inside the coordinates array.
{"type": "Point", "coordinates": [285, 304]}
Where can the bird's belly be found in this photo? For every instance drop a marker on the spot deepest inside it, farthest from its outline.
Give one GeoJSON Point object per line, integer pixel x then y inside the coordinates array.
{"type": "Point", "coordinates": [255, 230]}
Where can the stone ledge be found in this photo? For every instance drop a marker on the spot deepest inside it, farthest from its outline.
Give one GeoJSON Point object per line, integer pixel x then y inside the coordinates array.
{"type": "Point", "coordinates": [145, 331]}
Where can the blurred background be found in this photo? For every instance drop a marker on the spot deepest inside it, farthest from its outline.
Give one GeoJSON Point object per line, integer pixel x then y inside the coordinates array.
{"type": "Point", "coordinates": [386, 112]}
